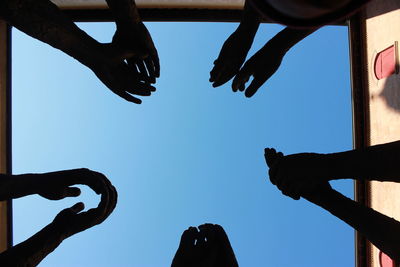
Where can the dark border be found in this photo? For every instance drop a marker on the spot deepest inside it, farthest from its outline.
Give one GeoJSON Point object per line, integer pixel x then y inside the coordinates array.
{"type": "Point", "coordinates": [361, 127]}
{"type": "Point", "coordinates": [167, 14]}
{"type": "Point", "coordinates": [160, 14]}
{"type": "Point", "coordinates": [9, 132]}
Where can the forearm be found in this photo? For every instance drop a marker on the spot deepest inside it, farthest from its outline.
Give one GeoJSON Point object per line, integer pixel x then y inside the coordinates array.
{"type": "Point", "coordinates": [15, 186]}
{"type": "Point", "coordinates": [380, 162]}
{"type": "Point", "coordinates": [124, 11]}
{"type": "Point", "coordinates": [289, 37]}
{"type": "Point", "coordinates": [250, 20]}
{"type": "Point", "coordinates": [43, 20]}
{"type": "Point", "coordinates": [32, 251]}
{"type": "Point", "coordinates": [381, 230]}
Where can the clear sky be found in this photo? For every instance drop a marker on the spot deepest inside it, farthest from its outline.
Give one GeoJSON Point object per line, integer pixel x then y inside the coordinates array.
{"type": "Point", "coordinates": [190, 153]}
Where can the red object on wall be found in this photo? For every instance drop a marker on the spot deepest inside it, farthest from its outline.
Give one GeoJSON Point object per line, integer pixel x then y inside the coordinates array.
{"type": "Point", "coordinates": [385, 63]}
{"type": "Point", "coordinates": [385, 260]}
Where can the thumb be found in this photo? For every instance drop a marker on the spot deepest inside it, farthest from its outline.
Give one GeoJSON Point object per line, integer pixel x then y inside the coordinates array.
{"type": "Point", "coordinates": [72, 192]}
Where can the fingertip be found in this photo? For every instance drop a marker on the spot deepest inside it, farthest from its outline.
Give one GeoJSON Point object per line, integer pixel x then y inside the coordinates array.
{"type": "Point", "coordinates": [236, 83]}
{"type": "Point", "coordinates": [74, 191]}
{"type": "Point", "coordinates": [216, 84]}
{"type": "Point", "coordinates": [136, 101]}
{"type": "Point", "coordinates": [78, 207]}
{"type": "Point", "coordinates": [249, 92]}
{"type": "Point", "coordinates": [234, 86]}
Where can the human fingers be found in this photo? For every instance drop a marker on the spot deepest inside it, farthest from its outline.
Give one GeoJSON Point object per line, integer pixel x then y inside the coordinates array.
{"type": "Point", "coordinates": [137, 85]}
{"type": "Point", "coordinates": [240, 80]}
{"type": "Point", "coordinates": [225, 75]}
{"type": "Point", "coordinates": [200, 239]}
{"type": "Point", "coordinates": [78, 207]}
{"type": "Point", "coordinates": [270, 156]}
{"type": "Point", "coordinates": [291, 191]}
{"type": "Point", "coordinates": [135, 72]}
{"type": "Point", "coordinates": [150, 69]}
{"type": "Point", "coordinates": [71, 192]}
{"type": "Point", "coordinates": [68, 212]}
{"type": "Point", "coordinates": [221, 235]}
{"type": "Point", "coordinates": [140, 88]}
{"type": "Point", "coordinates": [209, 231]}
{"type": "Point", "coordinates": [107, 204]}
{"type": "Point", "coordinates": [128, 97]}
{"type": "Point", "coordinates": [67, 178]}
{"type": "Point", "coordinates": [144, 75]}
{"type": "Point", "coordinates": [156, 61]}
{"type": "Point", "coordinates": [254, 86]}
{"type": "Point", "coordinates": [188, 237]}
{"type": "Point", "coordinates": [273, 172]}
{"type": "Point", "coordinates": [216, 71]}
{"type": "Point", "coordinates": [95, 180]}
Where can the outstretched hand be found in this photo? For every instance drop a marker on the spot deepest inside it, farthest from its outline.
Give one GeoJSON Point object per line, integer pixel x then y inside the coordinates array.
{"type": "Point", "coordinates": [207, 246]}
{"type": "Point", "coordinates": [130, 64]}
{"type": "Point", "coordinates": [296, 175]}
{"type": "Point", "coordinates": [60, 184]}
{"type": "Point", "coordinates": [231, 57]}
{"type": "Point", "coordinates": [262, 65]}
{"type": "Point", "coordinates": [137, 47]}
{"type": "Point", "coordinates": [72, 220]}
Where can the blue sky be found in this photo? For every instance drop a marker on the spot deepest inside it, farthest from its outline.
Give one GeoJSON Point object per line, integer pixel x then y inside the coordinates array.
{"type": "Point", "coordinates": [190, 153]}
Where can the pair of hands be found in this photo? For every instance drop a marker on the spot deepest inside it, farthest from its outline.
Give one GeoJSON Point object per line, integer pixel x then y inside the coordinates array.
{"type": "Point", "coordinates": [207, 246]}
{"type": "Point", "coordinates": [129, 65]}
{"type": "Point", "coordinates": [58, 185]}
{"type": "Point", "coordinates": [297, 175]}
{"type": "Point", "coordinates": [261, 65]}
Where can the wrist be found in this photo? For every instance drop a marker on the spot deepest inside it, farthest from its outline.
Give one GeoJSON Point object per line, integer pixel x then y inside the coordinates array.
{"type": "Point", "coordinates": [248, 29]}
{"type": "Point", "coordinates": [321, 196]}
{"type": "Point", "coordinates": [58, 230]}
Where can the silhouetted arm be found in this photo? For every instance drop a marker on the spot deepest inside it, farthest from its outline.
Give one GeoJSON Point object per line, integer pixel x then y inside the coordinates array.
{"type": "Point", "coordinates": [263, 64]}
{"type": "Point", "coordinates": [381, 230]}
{"type": "Point", "coordinates": [378, 162]}
{"type": "Point", "coordinates": [67, 223]}
{"type": "Point", "coordinates": [41, 19]}
{"type": "Point", "coordinates": [32, 251]}
{"type": "Point", "coordinates": [303, 171]}
{"type": "Point", "coordinates": [236, 47]}
{"type": "Point", "coordinates": [52, 185]}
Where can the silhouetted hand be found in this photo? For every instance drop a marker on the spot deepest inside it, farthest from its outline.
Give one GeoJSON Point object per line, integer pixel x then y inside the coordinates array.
{"type": "Point", "coordinates": [138, 49]}
{"type": "Point", "coordinates": [231, 57]}
{"type": "Point", "coordinates": [58, 185]}
{"type": "Point", "coordinates": [120, 76]}
{"type": "Point", "coordinates": [72, 220]}
{"type": "Point", "coordinates": [262, 65]}
{"type": "Point", "coordinates": [295, 175]}
{"type": "Point", "coordinates": [207, 247]}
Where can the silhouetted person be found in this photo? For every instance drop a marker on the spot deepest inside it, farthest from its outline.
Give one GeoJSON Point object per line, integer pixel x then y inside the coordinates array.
{"type": "Point", "coordinates": [207, 246]}
{"type": "Point", "coordinates": [55, 186]}
{"type": "Point", "coordinates": [307, 175]}
{"type": "Point", "coordinates": [263, 64]}
{"type": "Point", "coordinates": [126, 66]}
